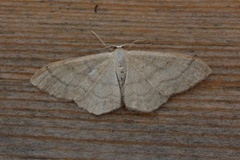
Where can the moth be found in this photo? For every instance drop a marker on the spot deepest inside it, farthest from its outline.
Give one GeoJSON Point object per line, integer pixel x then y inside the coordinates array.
{"type": "Point", "coordinates": [101, 83]}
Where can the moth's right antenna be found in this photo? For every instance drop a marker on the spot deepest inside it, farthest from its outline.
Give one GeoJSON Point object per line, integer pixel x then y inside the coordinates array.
{"type": "Point", "coordinates": [106, 46]}
{"type": "Point", "coordinates": [130, 45]}
{"type": "Point", "coordinates": [136, 41]}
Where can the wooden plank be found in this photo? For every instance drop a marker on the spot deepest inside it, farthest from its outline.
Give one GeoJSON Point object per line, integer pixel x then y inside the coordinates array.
{"type": "Point", "coordinates": [202, 123]}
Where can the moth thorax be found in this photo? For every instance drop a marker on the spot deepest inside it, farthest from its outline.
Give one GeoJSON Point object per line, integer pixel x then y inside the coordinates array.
{"type": "Point", "coordinates": [120, 66]}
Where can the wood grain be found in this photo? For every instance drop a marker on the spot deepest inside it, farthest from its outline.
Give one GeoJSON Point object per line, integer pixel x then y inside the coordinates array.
{"type": "Point", "coordinates": [202, 123]}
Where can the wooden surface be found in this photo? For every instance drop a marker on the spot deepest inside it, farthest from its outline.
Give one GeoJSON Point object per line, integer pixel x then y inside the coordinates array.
{"type": "Point", "coordinates": [202, 123]}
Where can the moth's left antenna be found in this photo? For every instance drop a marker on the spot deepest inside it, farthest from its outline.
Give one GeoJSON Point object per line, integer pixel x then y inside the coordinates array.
{"type": "Point", "coordinates": [106, 46]}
